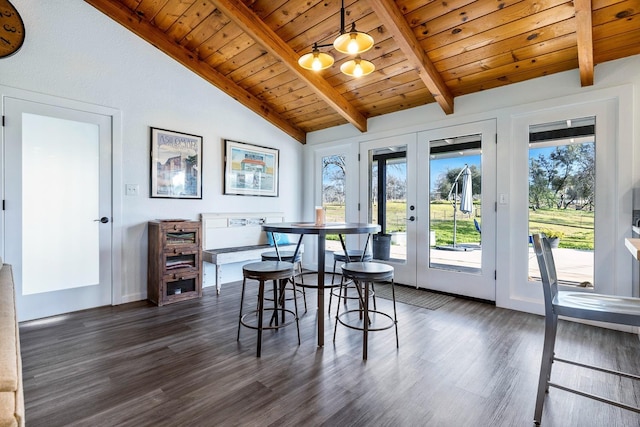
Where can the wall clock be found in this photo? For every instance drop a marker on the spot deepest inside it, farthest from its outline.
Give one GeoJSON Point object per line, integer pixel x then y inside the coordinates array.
{"type": "Point", "coordinates": [11, 29]}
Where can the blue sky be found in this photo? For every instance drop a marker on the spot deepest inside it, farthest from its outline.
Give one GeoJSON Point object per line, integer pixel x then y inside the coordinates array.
{"type": "Point", "coordinates": [440, 166]}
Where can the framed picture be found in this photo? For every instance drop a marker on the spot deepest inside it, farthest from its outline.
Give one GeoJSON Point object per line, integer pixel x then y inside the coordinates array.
{"type": "Point", "coordinates": [176, 164]}
{"type": "Point", "coordinates": [250, 170]}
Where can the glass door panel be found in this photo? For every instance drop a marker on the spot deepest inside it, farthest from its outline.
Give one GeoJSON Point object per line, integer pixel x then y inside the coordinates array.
{"type": "Point", "coordinates": [334, 200]}
{"type": "Point", "coordinates": [388, 202]}
{"type": "Point", "coordinates": [388, 167]}
{"type": "Point", "coordinates": [455, 207]}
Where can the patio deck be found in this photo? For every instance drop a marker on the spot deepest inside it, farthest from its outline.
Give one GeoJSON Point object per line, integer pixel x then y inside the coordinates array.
{"type": "Point", "coordinates": [572, 265]}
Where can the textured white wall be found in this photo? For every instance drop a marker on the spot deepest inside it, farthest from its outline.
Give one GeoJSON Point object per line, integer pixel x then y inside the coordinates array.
{"type": "Point", "coordinates": [73, 51]}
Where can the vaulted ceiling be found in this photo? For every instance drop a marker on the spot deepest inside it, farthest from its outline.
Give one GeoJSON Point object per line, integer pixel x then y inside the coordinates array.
{"type": "Point", "coordinates": [425, 50]}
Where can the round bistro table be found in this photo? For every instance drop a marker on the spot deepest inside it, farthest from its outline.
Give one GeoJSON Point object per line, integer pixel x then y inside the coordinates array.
{"type": "Point", "coordinates": [330, 228]}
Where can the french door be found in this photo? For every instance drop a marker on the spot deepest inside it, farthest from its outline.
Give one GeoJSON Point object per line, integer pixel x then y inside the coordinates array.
{"type": "Point", "coordinates": [457, 248]}
{"type": "Point", "coordinates": [415, 192]}
{"type": "Point", "coordinates": [57, 217]}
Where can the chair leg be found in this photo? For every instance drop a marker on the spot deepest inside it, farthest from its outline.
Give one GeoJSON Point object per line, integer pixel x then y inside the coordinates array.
{"type": "Point", "coordinates": [395, 314]}
{"type": "Point", "coordinates": [365, 336]}
{"type": "Point", "coordinates": [276, 302]}
{"type": "Point", "coordinates": [304, 294]}
{"type": "Point", "coordinates": [551, 327]}
{"type": "Point", "coordinates": [282, 298]}
{"type": "Point", "coordinates": [260, 312]}
{"type": "Point", "coordinates": [244, 281]}
{"type": "Point", "coordinates": [373, 289]}
{"type": "Point", "coordinates": [333, 276]}
{"type": "Point", "coordinates": [335, 325]}
{"type": "Point", "coordinates": [295, 305]}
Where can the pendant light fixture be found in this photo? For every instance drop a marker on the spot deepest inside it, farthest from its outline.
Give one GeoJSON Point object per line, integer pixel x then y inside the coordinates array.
{"type": "Point", "coordinates": [316, 60]}
{"type": "Point", "coordinates": [353, 42]}
{"type": "Point", "coordinates": [357, 67]}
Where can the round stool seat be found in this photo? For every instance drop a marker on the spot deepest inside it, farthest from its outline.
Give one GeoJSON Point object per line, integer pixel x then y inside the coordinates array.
{"type": "Point", "coordinates": [284, 256]}
{"type": "Point", "coordinates": [355, 255]}
{"type": "Point", "coordinates": [268, 270]}
{"type": "Point", "coordinates": [368, 271]}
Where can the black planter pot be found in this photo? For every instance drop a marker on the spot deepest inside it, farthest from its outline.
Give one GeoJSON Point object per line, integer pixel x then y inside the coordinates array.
{"type": "Point", "coordinates": [382, 246]}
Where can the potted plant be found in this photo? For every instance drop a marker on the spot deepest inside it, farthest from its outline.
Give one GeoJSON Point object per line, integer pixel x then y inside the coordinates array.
{"type": "Point", "coordinates": [553, 236]}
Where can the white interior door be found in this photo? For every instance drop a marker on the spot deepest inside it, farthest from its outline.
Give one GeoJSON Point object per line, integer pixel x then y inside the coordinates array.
{"type": "Point", "coordinates": [456, 228]}
{"type": "Point", "coordinates": [57, 216]}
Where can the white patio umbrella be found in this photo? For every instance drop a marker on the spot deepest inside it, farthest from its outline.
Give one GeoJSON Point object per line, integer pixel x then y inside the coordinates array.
{"type": "Point", "coordinates": [466, 199]}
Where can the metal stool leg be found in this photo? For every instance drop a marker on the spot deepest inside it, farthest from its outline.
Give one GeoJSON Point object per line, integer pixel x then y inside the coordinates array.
{"type": "Point", "coordinates": [365, 337]}
{"type": "Point", "coordinates": [295, 305]}
{"type": "Point", "coordinates": [304, 293]}
{"type": "Point", "coordinates": [244, 282]}
{"type": "Point", "coordinates": [333, 276]}
{"type": "Point", "coordinates": [260, 312]}
{"type": "Point", "coordinates": [335, 326]}
{"type": "Point", "coordinates": [395, 313]}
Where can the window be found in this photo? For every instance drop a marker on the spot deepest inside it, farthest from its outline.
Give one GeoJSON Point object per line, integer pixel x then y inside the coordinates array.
{"type": "Point", "coordinates": [334, 194]}
{"type": "Point", "coordinates": [562, 177]}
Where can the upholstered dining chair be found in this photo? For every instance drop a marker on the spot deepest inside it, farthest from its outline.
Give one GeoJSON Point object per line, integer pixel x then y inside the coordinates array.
{"type": "Point", "coordinates": [578, 305]}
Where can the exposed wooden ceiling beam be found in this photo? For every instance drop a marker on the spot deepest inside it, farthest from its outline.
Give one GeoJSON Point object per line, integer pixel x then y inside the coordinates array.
{"type": "Point", "coordinates": [157, 38]}
{"type": "Point", "coordinates": [584, 31]}
{"type": "Point", "coordinates": [262, 34]}
{"type": "Point", "coordinates": [397, 25]}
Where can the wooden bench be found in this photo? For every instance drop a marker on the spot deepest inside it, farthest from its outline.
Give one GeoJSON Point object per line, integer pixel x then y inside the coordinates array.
{"type": "Point", "coordinates": [237, 238]}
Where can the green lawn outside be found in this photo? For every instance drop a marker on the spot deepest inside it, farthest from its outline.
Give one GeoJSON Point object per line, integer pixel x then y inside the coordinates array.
{"type": "Point", "coordinates": [577, 226]}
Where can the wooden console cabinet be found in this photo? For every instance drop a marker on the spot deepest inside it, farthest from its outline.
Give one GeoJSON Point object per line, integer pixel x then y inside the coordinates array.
{"type": "Point", "coordinates": [175, 261]}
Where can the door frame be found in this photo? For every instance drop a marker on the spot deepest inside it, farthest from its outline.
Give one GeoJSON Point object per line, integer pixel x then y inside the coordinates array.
{"type": "Point", "coordinates": [609, 222]}
{"type": "Point", "coordinates": [116, 172]}
{"type": "Point", "coordinates": [514, 290]}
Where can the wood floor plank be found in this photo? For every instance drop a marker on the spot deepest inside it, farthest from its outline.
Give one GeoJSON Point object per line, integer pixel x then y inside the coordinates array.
{"type": "Point", "coordinates": [465, 364]}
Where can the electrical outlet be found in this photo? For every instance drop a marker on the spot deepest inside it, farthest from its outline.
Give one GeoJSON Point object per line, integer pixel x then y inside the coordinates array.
{"type": "Point", "coordinates": [131, 189]}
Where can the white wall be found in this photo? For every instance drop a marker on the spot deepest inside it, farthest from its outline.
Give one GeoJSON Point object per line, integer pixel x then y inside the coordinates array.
{"type": "Point", "coordinates": [618, 80]}
{"type": "Point", "coordinates": [75, 52]}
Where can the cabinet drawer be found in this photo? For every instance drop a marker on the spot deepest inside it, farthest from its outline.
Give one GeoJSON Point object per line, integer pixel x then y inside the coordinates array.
{"type": "Point", "coordinates": [181, 236]}
{"type": "Point", "coordinates": [177, 259]}
{"type": "Point", "coordinates": [178, 287]}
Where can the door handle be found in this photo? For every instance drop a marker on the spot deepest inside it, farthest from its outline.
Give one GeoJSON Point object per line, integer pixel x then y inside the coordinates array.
{"type": "Point", "coordinates": [103, 220]}
{"type": "Point", "coordinates": [412, 218]}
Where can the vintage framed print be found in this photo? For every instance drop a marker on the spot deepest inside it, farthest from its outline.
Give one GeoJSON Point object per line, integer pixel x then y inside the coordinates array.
{"type": "Point", "coordinates": [176, 164]}
{"type": "Point", "coordinates": [250, 170]}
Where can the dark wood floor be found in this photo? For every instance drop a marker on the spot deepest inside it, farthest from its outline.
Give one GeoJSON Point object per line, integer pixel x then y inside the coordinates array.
{"type": "Point", "coordinates": [466, 364]}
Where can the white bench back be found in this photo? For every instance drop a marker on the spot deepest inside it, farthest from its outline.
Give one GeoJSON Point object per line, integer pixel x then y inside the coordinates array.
{"type": "Point", "coordinates": [227, 230]}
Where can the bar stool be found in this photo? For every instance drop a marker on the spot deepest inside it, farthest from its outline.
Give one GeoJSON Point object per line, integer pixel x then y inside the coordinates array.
{"type": "Point", "coordinates": [365, 274]}
{"type": "Point", "coordinates": [263, 271]}
{"type": "Point", "coordinates": [297, 262]}
{"type": "Point", "coordinates": [355, 255]}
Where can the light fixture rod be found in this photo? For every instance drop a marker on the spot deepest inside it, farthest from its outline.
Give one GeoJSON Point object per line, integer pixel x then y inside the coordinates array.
{"type": "Point", "coordinates": [342, 18]}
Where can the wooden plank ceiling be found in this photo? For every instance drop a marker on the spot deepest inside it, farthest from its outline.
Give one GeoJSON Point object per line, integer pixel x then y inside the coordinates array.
{"type": "Point", "coordinates": [425, 51]}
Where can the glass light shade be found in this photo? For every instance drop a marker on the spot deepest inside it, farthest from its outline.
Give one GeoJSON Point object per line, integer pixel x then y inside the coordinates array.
{"type": "Point", "coordinates": [316, 60]}
{"type": "Point", "coordinates": [357, 67]}
{"type": "Point", "coordinates": [353, 42]}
